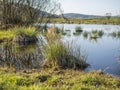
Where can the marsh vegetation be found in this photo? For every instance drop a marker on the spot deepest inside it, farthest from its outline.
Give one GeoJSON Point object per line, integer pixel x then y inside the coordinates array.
{"type": "Point", "coordinates": [35, 55]}
{"type": "Point", "coordinates": [114, 21]}
{"type": "Point", "coordinates": [56, 79]}
{"type": "Point", "coordinates": [41, 65]}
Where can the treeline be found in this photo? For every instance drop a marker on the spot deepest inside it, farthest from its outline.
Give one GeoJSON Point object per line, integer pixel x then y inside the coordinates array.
{"type": "Point", "coordinates": [26, 11]}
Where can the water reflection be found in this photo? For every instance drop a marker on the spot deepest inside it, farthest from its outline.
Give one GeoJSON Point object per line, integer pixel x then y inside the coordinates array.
{"type": "Point", "coordinates": [93, 40]}
{"type": "Point", "coordinates": [20, 56]}
{"type": "Point", "coordinates": [102, 51]}
{"type": "Point", "coordinates": [77, 33]}
{"type": "Point", "coordinates": [102, 48]}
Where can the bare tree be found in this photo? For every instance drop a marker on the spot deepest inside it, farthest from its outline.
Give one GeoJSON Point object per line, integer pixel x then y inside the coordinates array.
{"type": "Point", "coordinates": [108, 15]}
{"type": "Point", "coordinates": [27, 11]}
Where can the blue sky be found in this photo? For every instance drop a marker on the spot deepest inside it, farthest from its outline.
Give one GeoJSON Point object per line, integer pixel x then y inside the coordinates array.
{"type": "Point", "coordinates": [94, 7]}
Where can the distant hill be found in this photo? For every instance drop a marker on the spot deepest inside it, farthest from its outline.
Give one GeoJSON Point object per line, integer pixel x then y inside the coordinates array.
{"type": "Point", "coordinates": [76, 15]}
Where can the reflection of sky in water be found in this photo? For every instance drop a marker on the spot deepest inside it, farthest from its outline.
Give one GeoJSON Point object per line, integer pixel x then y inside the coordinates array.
{"type": "Point", "coordinates": [89, 27]}
{"type": "Point", "coordinates": [20, 56]}
{"type": "Point", "coordinates": [102, 53]}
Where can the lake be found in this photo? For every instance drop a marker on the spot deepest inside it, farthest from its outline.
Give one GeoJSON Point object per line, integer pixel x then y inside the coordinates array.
{"type": "Point", "coordinates": [103, 53]}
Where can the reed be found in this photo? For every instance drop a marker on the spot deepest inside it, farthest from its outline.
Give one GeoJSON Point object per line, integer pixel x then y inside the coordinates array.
{"type": "Point", "coordinates": [78, 29]}
{"type": "Point", "coordinates": [59, 54]}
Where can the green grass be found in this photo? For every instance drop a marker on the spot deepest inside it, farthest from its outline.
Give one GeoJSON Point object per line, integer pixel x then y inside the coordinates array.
{"type": "Point", "coordinates": [6, 35]}
{"type": "Point", "coordinates": [113, 21]}
{"type": "Point", "coordinates": [14, 32]}
{"type": "Point", "coordinates": [28, 31]}
{"type": "Point", "coordinates": [96, 34]}
{"type": "Point", "coordinates": [57, 54]}
{"type": "Point", "coordinates": [56, 80]}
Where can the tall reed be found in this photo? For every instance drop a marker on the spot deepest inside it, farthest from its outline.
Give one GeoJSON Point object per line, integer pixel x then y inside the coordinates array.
{"type": "Point", "coordinates": [59, 54]}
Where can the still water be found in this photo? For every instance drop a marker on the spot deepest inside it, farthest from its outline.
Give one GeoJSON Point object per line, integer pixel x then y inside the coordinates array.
{"type": "Point", "coordinates": [102, 53]}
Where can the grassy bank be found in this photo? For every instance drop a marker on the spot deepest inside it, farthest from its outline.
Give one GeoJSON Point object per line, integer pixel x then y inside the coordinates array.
{"type": "Point", "coordinates": [113, 21]}
{"type": "Point", "coordinates": [54, 79]}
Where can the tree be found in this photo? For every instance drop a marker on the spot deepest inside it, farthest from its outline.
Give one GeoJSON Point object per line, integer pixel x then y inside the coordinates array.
{"type": "Point", "coordinates": [108, 15]}
{"type": "Point", "coordinates": [27, 11]}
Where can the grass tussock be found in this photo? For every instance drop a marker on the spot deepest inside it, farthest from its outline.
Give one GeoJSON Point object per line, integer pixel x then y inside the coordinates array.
{"type": "Point", "coordinates": [12, 33]}
{"type": "Point", "coordinates": [57, 54]}
{"type": "Point", "coordinates": [115, 34]}
{"type": "Point", "coordinates": [96, 34]}
{"type": "Point", "coordinates": [78, 29]}
{"type": "Point", "coordinates": [52, 34]}
{"type": "Point", "coordinates": [27, 31]}
{"type": "Point", "coordinates": [6, 35]}
{"type": "Point", "coordinates": [57, 80]}
{"type": "Point", "coordinates": [85, 34]}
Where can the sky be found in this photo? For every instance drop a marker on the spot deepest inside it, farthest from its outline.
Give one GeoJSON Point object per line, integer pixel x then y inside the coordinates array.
{"type": "Point", "coordinates": [91, 7]}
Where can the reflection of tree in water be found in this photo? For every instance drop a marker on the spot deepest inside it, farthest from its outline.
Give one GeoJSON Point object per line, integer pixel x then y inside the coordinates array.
{"type": "Point", "coordinates": [20, 56]}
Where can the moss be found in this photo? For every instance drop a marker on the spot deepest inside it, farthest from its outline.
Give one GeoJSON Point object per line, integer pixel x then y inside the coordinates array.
{"type": "Point", "coordinates": [43, 78]}
{"type": "Point", "coordinates": [59, 79]}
